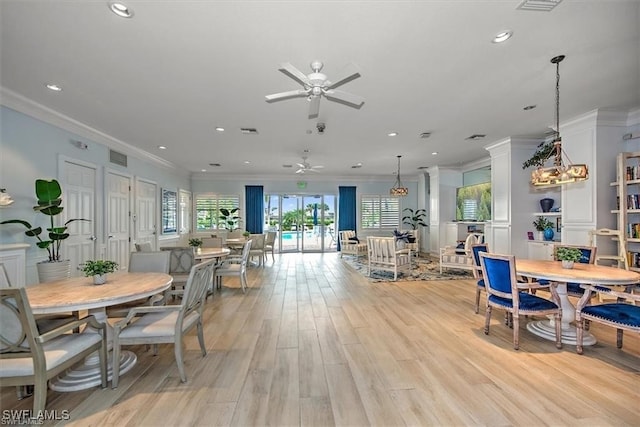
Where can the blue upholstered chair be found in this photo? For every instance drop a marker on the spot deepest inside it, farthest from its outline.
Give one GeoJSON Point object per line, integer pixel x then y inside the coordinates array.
{"type": "Point", "coordinates": [499, 273]}
{"type": "Point", "coordinates": [620, 315]}
{"type": "Point", "coordinates": [477, 271]}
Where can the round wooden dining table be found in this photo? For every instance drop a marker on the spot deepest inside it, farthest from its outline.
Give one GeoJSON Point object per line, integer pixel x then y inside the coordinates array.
{"type": "Point", "coordinates": [203, 254]}
{"type": "Point", "coordinates": [79, 293]}
{"type": "Point", "coordinates": [559, 277]}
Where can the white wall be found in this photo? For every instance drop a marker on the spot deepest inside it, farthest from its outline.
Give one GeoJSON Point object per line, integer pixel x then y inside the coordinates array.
{"type": "Point", "coordinates": [30, 150]}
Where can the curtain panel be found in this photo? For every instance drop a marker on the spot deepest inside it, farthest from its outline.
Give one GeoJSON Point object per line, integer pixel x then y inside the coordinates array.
{"type": "Point", "coordinates": [346, 210]}
{"type": "Point", "coordinates": [254, 198]}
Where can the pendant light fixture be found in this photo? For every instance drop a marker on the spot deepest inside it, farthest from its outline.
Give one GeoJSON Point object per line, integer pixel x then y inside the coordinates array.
{"type": "Point", "coordinates": [398, 189]}
{"type": "Point", "coordinates": [559, 173]}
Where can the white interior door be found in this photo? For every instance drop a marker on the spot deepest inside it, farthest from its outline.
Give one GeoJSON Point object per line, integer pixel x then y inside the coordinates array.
{"type": "Point", "coordinates": [79, 197]}
{"type": "Point", "coordinates": [118, 196]}
{"type": "Point", "coordinates": [146, 217]}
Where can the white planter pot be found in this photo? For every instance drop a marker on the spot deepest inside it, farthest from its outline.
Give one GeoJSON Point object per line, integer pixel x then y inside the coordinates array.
{"type": "Point", "coordinates": [540, 235]}
{"type": "Point", "coordinates": [567, 264]}
{"type": "Point", "coordinates": [99, 279]}
{"type": "Point", "coordinates": [50, 271]}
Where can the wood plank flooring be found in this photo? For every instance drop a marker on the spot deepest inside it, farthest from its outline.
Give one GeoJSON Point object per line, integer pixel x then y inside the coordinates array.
{"type": "Point", "coordinates": [312, 342]}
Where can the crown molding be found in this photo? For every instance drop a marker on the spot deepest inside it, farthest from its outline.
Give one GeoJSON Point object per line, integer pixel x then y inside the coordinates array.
{"type": "Point", "coordinates": [47, 115]}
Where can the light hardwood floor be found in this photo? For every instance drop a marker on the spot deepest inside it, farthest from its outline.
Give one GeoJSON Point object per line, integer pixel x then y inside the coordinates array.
{"type": "Point", "coordinates": [314, 343]}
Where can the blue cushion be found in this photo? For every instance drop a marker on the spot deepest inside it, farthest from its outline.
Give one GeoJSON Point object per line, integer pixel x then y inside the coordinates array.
{"type": "Point", "coordinates": [624, 314]}
{"type": "Point", "coordinates": [481, 283]}
{"type": "Point", "coordinates": [498, 274]}
{"type": "Point", "coordinates": [527, 302]}
{"type": "Point", "coordinates": [574, 288]}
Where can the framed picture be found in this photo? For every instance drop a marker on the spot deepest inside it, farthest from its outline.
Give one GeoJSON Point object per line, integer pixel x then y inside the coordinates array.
{"type": "Point", "coordinates": [169, 211]}
{"type": "Point", "coordinates": [559, 224]}
{"type": "Point", "coordinates": [530, 235]}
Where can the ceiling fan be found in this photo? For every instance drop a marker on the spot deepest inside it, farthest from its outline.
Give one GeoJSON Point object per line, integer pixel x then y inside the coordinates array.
{"type": "Point", "coordinates": [305, 166]}
{"type": "Point", "coordinates": [316, 85]}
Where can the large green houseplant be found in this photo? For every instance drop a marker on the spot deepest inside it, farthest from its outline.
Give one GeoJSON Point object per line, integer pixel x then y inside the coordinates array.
{"type": "Point", "coordinates": [414, 218]}
{"type": "Point", "coordinates": [49, 197]}
{"type": "Point", "coordinates": [228, 218]}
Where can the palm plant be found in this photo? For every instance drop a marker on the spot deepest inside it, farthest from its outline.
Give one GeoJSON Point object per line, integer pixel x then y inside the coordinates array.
{"type": "Point", "coordinates": [49, 195]}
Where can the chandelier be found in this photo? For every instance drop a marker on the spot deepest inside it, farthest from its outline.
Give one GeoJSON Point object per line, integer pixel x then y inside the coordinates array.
{"type": "Point", "coordinates": [559, 173]}
{"type": "Point", "coordinates": [398, 189]}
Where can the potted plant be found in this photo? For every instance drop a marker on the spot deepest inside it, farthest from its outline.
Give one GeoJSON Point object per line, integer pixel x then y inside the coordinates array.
{"type": "Point", "coordinates": [195, 242]}
{"type": "Point", "coordinates": [568, 256]}
{"type": "Point", "coordinates": [541, 224]}
{"type": "Point", "coordinates": [246, 234]}
{"type": "Point", "coordinates": [414, 218]}
{"type": "Point", "coordinates": [49, 196]}
{"type": "Point", "coordinates": [228, 218]}
{"type": "Point", "coordinates": [99, 269]}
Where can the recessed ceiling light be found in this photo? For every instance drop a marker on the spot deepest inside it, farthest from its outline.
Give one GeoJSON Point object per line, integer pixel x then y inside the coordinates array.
{"type": "Point", "coordinates": [502, 37]}
{"type": "Point", "coordinates": [529, 107]}
{"type": "Point", "coordinates": [392, 134]}
{"type": "Point", "coordinates": [435, 153]}
{"type": "Point", "coordinates": [203, 170]}
{"type": "Point", "coordinates": [120, 9]}
{"type": "Point", "coordinates": [246, 162]}
{"type": "Point", "coordinates": [220, 129]}
{"type": "Point", "coordinates": [54, 87]}
{"type": "Point", "coordinates": [162, 147]}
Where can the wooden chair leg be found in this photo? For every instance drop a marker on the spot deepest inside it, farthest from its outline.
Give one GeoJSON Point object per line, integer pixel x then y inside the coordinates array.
{"type": "Point", "coordinates": [487, 320]}
{"type": "Point", "coordinates": [558, 322]}
{"type": "Point", "coordinates": [39, 394]}
{"type": "Point", "coordinates": [177, 349]}
{"type": "Point", "coordinates": [515, 322]}
{"type": "Point", "coordinates": [477, 307]}
{"type": "Point", "coordinates": [201, 338]}
{"type": "Point", "coordinates": [579, 335]}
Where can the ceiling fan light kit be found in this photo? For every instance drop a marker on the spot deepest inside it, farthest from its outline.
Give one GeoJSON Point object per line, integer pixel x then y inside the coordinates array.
{"type": "Point", "coordinates": [559, 173]}
{"type": "Point", "coordinates": [316, 85]}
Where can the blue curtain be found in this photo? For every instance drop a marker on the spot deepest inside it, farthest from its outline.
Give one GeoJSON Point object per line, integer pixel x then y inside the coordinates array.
{"type": "Point", "coordinates": [254, 198]}
{"type": "Point", "coordinates": [346, 209]}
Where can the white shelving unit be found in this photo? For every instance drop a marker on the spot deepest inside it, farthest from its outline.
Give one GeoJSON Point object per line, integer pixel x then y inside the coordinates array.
{"type": "Point", "coordinates": [628, 209]}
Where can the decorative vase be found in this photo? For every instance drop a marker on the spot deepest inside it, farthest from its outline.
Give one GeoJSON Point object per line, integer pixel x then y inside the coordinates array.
{"type": "Point", "coordinates": [50, 271]}
{"type": "Point", "coordinates": [99, 279]}
{"type": "Point", "coordinates": [540, 235]}
{"type": "Point", "coordinates": [546, 204]}
{"type": "Point", "coordinates": [548, 234]}
{"type": "Point", "coordinates": [567, 264]}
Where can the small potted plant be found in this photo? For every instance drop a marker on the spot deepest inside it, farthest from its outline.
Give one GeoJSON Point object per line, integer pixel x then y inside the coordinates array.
{"type": "Point", "coordinates": [195, 243]}
{"type": "Point", "coordinates": [246, 234]}
{"type": "Point", "coordinates": [541, 224]}
{"type": "Point", "coordinates": [99, 269]}
{"type": "Point", "coordinates": [568, 256]}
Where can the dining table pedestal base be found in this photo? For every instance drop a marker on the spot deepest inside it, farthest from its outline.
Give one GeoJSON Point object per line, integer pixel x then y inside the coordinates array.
{"type": "Point", "coordinates": [87, 375]}
{"type": "Point", "coordinates": [546, 329]}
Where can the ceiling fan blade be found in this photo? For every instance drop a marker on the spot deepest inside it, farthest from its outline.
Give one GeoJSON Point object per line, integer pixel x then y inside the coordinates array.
{"type": "Point", "coordinates": [346, 98]}
{"type": "Point", "coordinates": [294, 73]}
{"type": "Point", "coordinates": [317, 167]}
{"type": "Point", "coordinates": [350, 72]}
{"type": "Point", "coordinates": [313, 170]}
{"type": "Point", "coordinates": [300, 171]}
{"type": "Point", "coordinates": [314, 107]}
{"type": "Point", "coordinates": [286, 95]}
{"type": "Point", "coordinates": [301, 166]}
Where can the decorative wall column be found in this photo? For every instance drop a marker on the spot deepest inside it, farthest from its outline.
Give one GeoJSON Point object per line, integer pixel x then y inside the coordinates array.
{"type": "Point", "coordinates": [512, 199]}
{"type": "Point", "coordinates": [442, 203]}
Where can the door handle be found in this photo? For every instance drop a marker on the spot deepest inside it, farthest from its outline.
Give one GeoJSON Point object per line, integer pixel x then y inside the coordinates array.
{"type": "Point", "coordinates": [110, 236]}
{"type": "Point", "coordinates": [94, 238]}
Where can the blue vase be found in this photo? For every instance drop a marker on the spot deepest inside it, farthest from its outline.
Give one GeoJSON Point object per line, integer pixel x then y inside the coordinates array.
{"type": "Point", "coordinates": [548, 234]}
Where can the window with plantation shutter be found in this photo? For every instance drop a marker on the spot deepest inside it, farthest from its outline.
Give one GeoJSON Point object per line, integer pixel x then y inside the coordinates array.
{"type": "Point", "coordinates": [379, 212]}
{"type": "Point", "coordinates": [208, 207]}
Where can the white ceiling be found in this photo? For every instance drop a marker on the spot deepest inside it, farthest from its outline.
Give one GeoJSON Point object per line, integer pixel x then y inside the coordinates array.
{"type": "Point", "coordinates": [178, 69]}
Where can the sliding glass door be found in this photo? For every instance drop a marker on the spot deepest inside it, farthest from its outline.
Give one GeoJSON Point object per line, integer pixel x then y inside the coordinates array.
{"type": "Point", "coordinates": [305, 223]}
